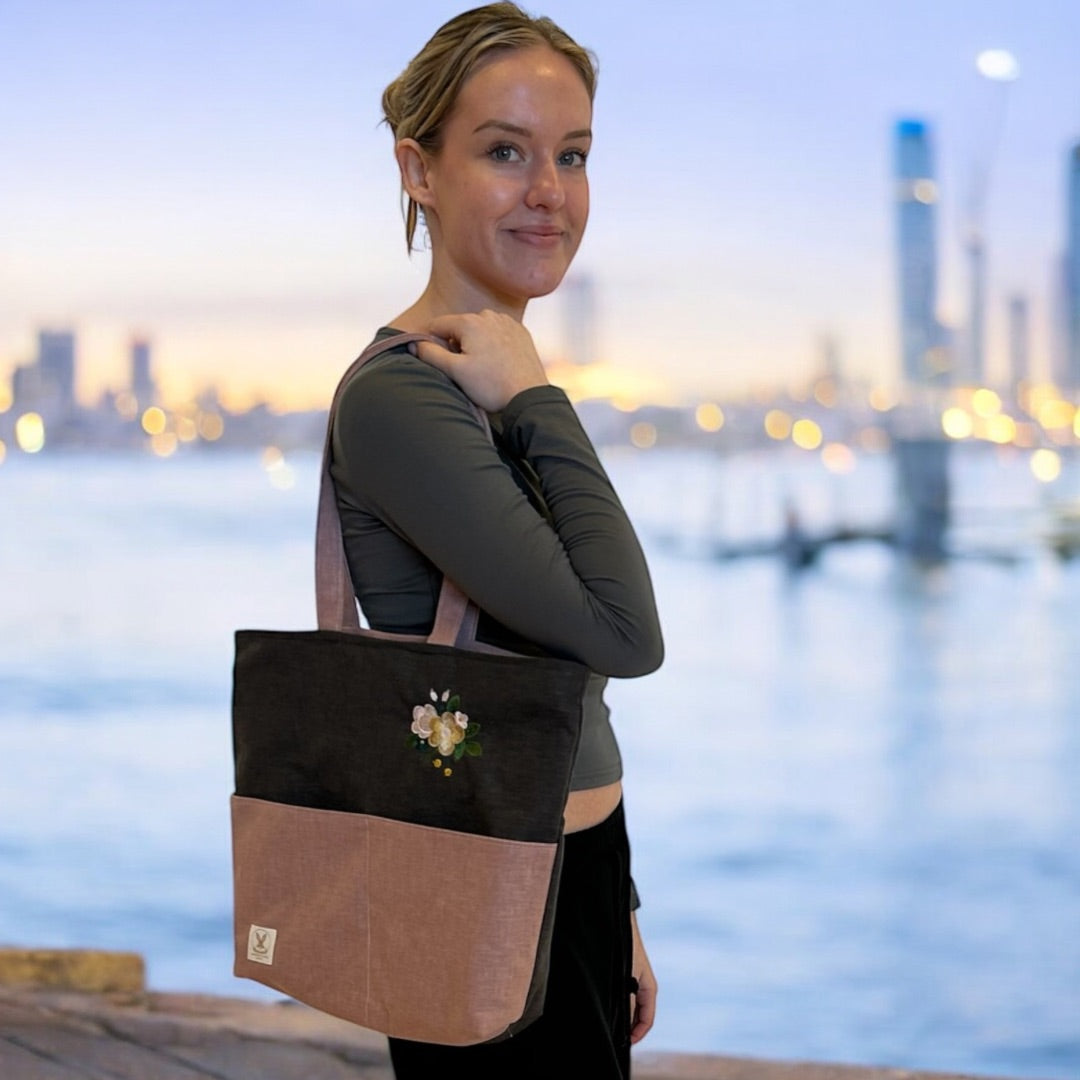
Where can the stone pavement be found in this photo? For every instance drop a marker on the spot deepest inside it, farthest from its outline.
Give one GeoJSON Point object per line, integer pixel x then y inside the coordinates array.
{"type": "Point", "coordinates": [86, 1016]}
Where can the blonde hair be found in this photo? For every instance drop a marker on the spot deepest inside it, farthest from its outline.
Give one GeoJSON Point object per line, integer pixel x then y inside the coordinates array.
{"type": "Point", "coordinates": [417, 103]}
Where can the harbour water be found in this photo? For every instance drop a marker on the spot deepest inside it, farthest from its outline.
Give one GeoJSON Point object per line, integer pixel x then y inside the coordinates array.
{"type": "Point", "coordinates": [853, 791]}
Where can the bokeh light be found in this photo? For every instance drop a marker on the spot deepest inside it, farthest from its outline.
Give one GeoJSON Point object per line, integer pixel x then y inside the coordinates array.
{"type": "Point", "coordinates": [838, 457]}
{"type": "Point", "coordinates": [777, 424]}
{"type": "Point", "coordinates": [709, 416]}
{"type": "Point", "coordinates": [211, 426]}
{"type": "Point", "coordinates": [154, 420]}
{"type": "Point", "coordinates": [1056, 413]}
{"type": "Point", "coordinates": [957, 423]}
{"type": "Point", "coordinates": [985, 403]}
{"type": "Point", "coordinates": [30, 432]}
{"type": "Point", "coordinates": [163, 443]}
{"type": "Point", "coordinates": [806, 434]}
{"type": "Point", "coordinates": [127, 405]}
{"type": "Point", "coordinates": [998, 64]}
{"type": "Point", "coordinates": [1001, 429]}
{"type": "Point", "coordinates": [1046, 465]}
{"type": "Point", "coordinates": [643, 435]}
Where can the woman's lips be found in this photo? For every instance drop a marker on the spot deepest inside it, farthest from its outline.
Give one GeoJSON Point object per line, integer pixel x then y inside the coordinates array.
{"type": "Point", "coordinates": [538, 235]}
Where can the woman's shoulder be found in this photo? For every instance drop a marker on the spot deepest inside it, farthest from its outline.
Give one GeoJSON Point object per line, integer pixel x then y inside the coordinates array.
{"type": "Point", "coordinates": [397, 395]}
{"type": "Point", "coordinates": [395, 378]}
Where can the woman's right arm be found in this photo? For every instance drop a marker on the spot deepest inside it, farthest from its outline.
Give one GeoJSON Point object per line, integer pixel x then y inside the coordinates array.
{"type": "Point", "coordinates": [414, 455]}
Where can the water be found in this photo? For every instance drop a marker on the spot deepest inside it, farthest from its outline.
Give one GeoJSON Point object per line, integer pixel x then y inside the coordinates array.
{"type": "Point", "coordinates": [853, 793]}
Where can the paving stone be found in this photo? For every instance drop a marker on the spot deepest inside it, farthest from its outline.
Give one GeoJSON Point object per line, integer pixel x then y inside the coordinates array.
{"type": "Point", "coordinates": [232, 1058]}
{"type": "Point", "coordinates": [18, 1063]}
{"type": "Point", "coordinates": [149, 1036]}
{"type": "Point", "coordinates": [99, 1055]}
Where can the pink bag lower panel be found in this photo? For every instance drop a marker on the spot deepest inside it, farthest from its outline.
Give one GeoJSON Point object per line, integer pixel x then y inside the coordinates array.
{"type": "Point", "coordinates": [418, 932]}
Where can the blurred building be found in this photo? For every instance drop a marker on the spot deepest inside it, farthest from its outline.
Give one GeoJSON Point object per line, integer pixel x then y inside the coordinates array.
{"type": "Point", "coordinates": [142, 379]}
{"type": "Point", "coordinates": [1071, 374]}
{"type": "Point", "coordinates": [1019, 349]}
{"type": "Point", "coordinates": [923, 358]}
{"type": "Point", "coordinates": [579, 320]}
{"type": "Point", "coordinates": [47, 385]}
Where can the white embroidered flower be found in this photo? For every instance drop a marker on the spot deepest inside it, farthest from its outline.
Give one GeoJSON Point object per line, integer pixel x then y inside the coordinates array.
{"type": "Point", "coordinates": [461, 720]}
{"type": "Point", "coordinates": [423, 717]}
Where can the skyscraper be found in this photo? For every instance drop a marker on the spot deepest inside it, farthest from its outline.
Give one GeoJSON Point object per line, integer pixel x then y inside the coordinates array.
{"type": "Point", "coordinates": [1071, 373]}
{"type": "Point", "coordinates": [142, 381]}
{"type": "Point", "coordinates": [579, 319]}
{"type": "Point", "coordinates": [921, 354]}
{"type": "Point", "coordinates": [56, 368]}
{"type": "Point", "coordinates": [1019, 351]}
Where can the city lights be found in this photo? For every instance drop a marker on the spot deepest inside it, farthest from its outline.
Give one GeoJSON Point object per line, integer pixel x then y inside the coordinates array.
{"type": "Point", "coordinates": [30, 432]}
{"type": "Point", "coordinates": [279, 472]}
{"type": "Point", "coordinates": [838, 458]}
{"type": "Point", "coordinates": [163, 443]}
{"type": "Point", "coordinates": [806, 434]}
{"type": "Point", "coordinates": [211, 426]}
{"type": "Point", "coordinates": [957, 423]}
{"type": "Point", "coordinates": [985, 403]}
{"type": "Point", "coordinates": [777, 424]}
{"type": "Point", "coordinates": [643, 435]}
{"type": "Point", "coordinates": [154, 420]}
{"type": "Point", "coordinates": [709, 416]}
{"type": "Point", "coordinates": [997, 64]}
{"type": "Point", "coordinates": [1046, 465]}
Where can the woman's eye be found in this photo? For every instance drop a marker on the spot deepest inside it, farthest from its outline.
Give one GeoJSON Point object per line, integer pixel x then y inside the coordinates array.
{"type": "Point", "coordinates": [572, 157]}
{"type": "Point", "coordinates": [504, 152]}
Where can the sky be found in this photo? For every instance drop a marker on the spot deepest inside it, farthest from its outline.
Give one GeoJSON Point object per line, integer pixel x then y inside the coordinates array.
{"type": "Point", "coordinates": [214, 176]}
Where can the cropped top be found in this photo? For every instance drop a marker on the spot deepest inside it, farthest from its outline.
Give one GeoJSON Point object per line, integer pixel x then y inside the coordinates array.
{"type": "Point", "coordinates": [529, 528]}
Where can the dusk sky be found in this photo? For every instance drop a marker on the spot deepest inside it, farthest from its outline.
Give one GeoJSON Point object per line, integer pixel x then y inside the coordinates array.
{"type": "Point", "coordinates": [213, 175]}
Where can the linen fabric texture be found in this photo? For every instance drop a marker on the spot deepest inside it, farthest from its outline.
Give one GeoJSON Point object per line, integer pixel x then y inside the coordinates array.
{"type": "Point", "coordinates": [377, 877]}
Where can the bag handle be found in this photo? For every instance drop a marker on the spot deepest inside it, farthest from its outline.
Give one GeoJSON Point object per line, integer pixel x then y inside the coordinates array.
{"type": "Point", "coordinates": [335, 602]}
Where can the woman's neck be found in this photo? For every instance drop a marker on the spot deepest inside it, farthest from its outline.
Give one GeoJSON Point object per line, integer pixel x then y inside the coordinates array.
{"type": "Point", "coordinates": [438, 300]}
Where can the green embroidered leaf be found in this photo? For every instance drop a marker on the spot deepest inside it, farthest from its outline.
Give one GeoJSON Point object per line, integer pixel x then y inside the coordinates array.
{"type": "Point", "coordinates": [473, 749]}
{"type": "Point", "coordinates": [453, 704]}
{"type": "Point", "coordinates": [472, 730]}
{"type": "Point", "coordinates": [458, 751]}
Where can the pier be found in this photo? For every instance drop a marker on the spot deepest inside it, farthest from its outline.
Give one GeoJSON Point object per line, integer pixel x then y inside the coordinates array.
{"type": "Point", "coordinates": [87, 1015]}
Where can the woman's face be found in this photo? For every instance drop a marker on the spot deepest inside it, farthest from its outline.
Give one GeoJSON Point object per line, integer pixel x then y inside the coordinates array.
{"type": "Point", "coordinates": [507, 193]}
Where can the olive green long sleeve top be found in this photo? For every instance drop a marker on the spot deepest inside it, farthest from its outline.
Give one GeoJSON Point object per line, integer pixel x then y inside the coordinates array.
{"type": "Point", "coordinates": [529, 528]}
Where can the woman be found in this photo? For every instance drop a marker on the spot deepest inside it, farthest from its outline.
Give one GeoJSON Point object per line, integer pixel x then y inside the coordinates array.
{"type": "Point", "coordinates": [492, 127]}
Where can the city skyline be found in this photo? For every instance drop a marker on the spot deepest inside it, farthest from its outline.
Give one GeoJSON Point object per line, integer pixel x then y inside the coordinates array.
{"type": "Point", "coordinates": [216, 180]}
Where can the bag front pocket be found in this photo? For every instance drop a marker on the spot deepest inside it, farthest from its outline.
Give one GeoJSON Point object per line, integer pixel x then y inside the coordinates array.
{"type": "Point", "coordinates": [423, 933]}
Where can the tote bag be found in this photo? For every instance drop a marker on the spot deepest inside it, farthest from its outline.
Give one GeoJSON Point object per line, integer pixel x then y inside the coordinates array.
{"type": "Point", "coordinates": [398, 810]}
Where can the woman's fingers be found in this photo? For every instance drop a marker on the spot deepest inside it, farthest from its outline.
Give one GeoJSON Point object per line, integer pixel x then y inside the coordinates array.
{"type": "Point", "coordinates": [491, 356]}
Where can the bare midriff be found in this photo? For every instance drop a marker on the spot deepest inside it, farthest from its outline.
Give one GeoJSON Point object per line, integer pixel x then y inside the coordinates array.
{"type": "Point", "coordinates": [587, 808]}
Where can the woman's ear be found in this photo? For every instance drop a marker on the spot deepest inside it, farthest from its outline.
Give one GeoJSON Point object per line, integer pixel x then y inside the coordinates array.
{"type": "Point", "coordinates": [414, 163]}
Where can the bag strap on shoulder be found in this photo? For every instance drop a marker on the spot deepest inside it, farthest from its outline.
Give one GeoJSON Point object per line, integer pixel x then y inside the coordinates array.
{"type": "Point", "coordinates": [335, 602]}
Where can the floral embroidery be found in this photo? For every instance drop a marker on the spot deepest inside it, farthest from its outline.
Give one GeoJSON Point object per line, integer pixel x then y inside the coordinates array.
{"type": "Point", "coordinates": [441, 730]}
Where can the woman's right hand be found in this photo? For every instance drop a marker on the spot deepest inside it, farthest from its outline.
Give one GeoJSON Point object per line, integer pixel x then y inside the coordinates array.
{"type": "Point", "coordinates": [492, 356]}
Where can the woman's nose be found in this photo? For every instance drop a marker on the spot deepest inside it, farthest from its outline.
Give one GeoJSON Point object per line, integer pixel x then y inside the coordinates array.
{"type": "Point", "coordinates": [546, 187]}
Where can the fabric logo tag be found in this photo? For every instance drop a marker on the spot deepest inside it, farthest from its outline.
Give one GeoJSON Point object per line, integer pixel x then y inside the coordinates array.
{"type": "Point", "coordinates": [261, 941]}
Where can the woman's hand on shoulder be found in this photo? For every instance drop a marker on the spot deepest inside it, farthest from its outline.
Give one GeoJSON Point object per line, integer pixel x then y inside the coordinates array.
{"type": "Point", "coordinates": [492, 356]}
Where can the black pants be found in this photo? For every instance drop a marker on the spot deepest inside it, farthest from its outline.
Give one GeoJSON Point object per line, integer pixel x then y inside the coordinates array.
{"type": "Point", "coordinates": [585, 1029]}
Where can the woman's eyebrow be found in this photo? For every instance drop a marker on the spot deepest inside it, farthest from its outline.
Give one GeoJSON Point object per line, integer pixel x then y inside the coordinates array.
{"type": "Point", "coordinates": [515, 129]}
